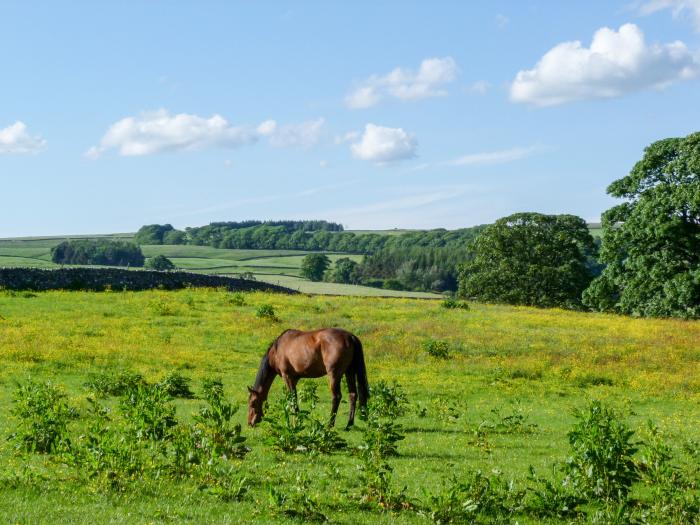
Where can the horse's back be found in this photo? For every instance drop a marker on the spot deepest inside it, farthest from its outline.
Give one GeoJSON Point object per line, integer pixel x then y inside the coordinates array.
{"type": "Point", "coordinates": [314, 353]}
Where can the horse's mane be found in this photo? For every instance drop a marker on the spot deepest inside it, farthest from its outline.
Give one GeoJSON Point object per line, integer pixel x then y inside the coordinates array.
{"type": "Point", "coordinates": [265, 366]}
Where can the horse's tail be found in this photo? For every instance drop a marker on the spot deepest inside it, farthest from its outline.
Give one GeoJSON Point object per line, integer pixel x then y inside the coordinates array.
{"type": "Point", "coordinates": [358, 365]}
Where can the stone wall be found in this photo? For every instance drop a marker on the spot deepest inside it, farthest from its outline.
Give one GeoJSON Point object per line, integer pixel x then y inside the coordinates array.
{"type": "Point", "coordinates": [118, 279]}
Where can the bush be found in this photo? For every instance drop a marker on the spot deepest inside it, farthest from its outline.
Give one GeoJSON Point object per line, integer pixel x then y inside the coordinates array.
{"type": "Point", "coordinates": [220, 438]}
{"type": "Point", "coordinates": [177, 385]}
{"type": "Point", "coordinates": [480, 498]}
{"type": "Point", "coordinates": [236, 299]}
{"type": "Point", "coordinates": [113, 384]}
{"type": "Point", "coordinates": [148, 410]}
{"type": "Point", "coordinates": [290, 429]}
{"type": "Point", "coordinates": [160, 263]}
{"type": "Point", "coordinates": [43, 416]}
{"type": "Point", "coordinates": [437, 348]}
{"type": "Point", "coordinates": [266, 311]}
{"type": "Point", "coordinates": [452, 304]}
{"type": "Point", "coordinates": [387, 400]}
{"type": "Point", "coordinates": [601, 463]}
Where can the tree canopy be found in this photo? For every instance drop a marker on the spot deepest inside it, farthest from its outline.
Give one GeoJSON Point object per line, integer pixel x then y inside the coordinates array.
{"type": "Point", "coordinates": [152, 234]}
{"type": "Point", "coordinates": [529, 259]}
{"type": "Point", "coordinates": [102, 252]}
{"type": "Point", "coordinates": [160, 263]}
{"type": "Point", "coordinates": [314, 265]}
{"type": "Point", "coordinates": [651, 241]}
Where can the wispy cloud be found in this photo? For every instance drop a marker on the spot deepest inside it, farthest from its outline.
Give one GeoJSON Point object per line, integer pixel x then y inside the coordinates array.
{"type": "Point", "coordinates": [679, 9]}
{"type": "Point", "coordinates": [493, 157]}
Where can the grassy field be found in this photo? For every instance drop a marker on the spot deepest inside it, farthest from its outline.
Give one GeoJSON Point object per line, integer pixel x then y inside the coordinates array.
{"type": "Point", "coordinates": [281, 267]}
{"type": "Point", "coordinates": [500, 403]}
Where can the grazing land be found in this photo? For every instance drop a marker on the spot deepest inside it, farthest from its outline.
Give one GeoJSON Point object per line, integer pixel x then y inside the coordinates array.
{"type": "Point", "coordinates": [280, 267]}
{"type": "Point", "coordinates": [500, 402]}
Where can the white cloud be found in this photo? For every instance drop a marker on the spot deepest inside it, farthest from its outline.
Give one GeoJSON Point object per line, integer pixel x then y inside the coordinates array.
{"type": "Point", "coordinates": [304, 134]}
{"type": "Point", "coordinates": [405, 84]}
{"type": "Point", "coordinates": [159, 131]}
{"type": "Point", "coordinates": [323, 164]}
{"type": "Point", "coordinates": [617, 62]}
{"type": "Point", "coordinates": [480, 87]}
{"type": "Point", "coordinates": [492, 157]}
{"type": "Point", "coordinates": [384, 145]}
{"type": "Point", "coordinates": [15, 139]}
{"type": "Point", "coordinates": [679, 8]}
{"type": "Point", "coordinates": [348, 137]}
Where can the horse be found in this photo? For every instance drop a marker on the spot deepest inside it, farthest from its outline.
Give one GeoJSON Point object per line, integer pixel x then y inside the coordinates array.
{"type": "Point", "coordinates": [296, 354]}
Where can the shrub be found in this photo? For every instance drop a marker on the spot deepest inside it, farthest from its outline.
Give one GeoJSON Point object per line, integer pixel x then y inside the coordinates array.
{"type": "Point", "coordinates": [452, 304]}
{"type": "Point", "coordinates": [297, 503]}
{"type": "Point", "coordinates": [479, 498]}
{"type": "Point", "coordinates": [236, 299]}
{"type": "Point", "coordinates": [148, 410]}
{"type": "Point", "coordinates": [103, 453]}
{"type": "Point", "coordinates": [220, 437]}
{"type": "Point", "coordinates": [113, 384]}
{"type": "Point", "coordinates": [387, 399]}
{"type": "Point", "coordinates": [601, 463]}
{"type": "Point", "coordinates": [307, 394]}
{"type": "Point", "coordinates": [437, 348]}
{"type": "Point", "coordinates": [43, 416]}
{"type": "Point", "coordinates": [552, 497]}
{"type": "Point", "coordinates": [160, 263]}
{"type": "Point", "coordinates": [290, 429]}
{"type": "Point", "coordinates": [266, 311]}
{"type": "Point", "coordinates": [177, 385]}
{"type": "Point", "coordinates": [381, 436]}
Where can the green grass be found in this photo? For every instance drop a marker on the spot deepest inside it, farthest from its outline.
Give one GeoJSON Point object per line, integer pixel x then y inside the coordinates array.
{"type": "Point", "coordinates": [539, 363]}
{"type": "Point", "coordinates": [273, 266]}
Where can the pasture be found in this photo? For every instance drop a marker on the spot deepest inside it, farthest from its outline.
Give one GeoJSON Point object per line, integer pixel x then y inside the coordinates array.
{"type": "Point", "coordinates": [500, 401]}
{"type": "Point", "coordinates": [281, 267]}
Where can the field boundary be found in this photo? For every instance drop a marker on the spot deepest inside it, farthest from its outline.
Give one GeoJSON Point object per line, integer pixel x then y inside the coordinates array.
{"type": "Point", "coordinates": [100, 279]}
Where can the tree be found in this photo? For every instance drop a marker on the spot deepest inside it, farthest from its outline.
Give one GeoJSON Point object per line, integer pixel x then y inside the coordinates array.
{"type": "Point", "coordinates": [100, 252]}
{"type": "Point", "coordinates": [651, 242]}
{"type": "Point", "coordinates": [152, 233]}
{"type": "Point", "coordinates": [345, 271]}
{"type": "Point", "coordinates": [530, 259]}
{"type": "Point", "coordinates": [160, 263]}
{"type": "Point", "coordinates": [314, 265]}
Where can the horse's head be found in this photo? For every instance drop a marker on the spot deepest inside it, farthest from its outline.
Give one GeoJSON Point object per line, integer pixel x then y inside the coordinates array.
{"type": "Point", "coordinates": [255, 406]}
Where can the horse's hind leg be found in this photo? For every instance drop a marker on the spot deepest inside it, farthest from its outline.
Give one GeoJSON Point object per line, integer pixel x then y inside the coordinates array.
{"type": "Point", "coordinates": [352, 394]}
{"type": "Point", "coordinates": [334, 383]}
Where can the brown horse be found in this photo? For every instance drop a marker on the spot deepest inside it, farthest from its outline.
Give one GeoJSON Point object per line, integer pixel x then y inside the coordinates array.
{"type": "Point", "coordinates": [296, 354]}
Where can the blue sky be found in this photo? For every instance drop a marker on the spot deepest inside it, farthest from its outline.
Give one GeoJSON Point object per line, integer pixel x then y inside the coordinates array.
{"type": "Point", "coordinates": [373, 114]}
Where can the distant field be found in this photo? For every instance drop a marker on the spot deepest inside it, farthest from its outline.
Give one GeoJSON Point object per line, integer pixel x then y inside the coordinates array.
{"type": "Point", "coordinates": [273, 266]}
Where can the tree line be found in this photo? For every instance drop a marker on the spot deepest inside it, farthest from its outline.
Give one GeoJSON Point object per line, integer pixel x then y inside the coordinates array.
{"type": "Point", "coordinates": [101, 252]}
{"type": "Point", "coordinates": [299, 235]}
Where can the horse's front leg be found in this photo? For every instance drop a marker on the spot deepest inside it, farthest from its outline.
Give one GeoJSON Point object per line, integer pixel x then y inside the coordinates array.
{"type": "Point", "coordinates": [334, 383]}
{"type": "Point", "coordinates": [291, 383]}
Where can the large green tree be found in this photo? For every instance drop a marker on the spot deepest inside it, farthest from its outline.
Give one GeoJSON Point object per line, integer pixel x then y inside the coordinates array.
{"type": "Point", "coordinates": [651, 241]}
{"type": "Point", "coordinates": [530, 259]}
{"type": "Point", "coordinates": [314, 265]}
